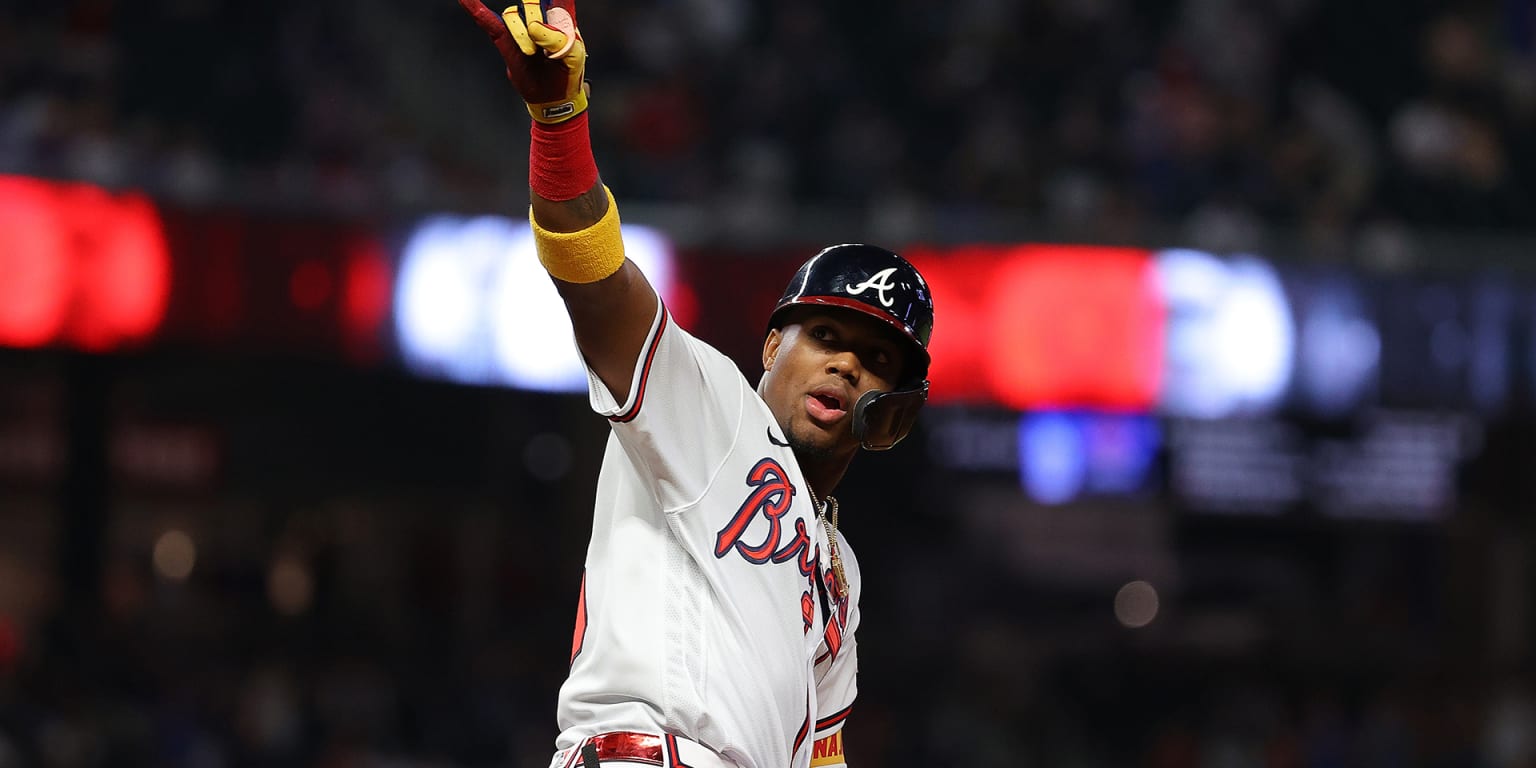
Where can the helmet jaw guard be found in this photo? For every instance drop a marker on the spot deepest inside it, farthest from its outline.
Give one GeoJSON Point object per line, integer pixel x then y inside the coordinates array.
{"type": "Point", "coordinates": [880, 284]}
{"type": "Point", "coordinates": [882, 419]}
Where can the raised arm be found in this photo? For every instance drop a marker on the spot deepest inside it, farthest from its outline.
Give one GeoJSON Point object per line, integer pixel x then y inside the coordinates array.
{"type": "Point", "coordinates": [575, 221]}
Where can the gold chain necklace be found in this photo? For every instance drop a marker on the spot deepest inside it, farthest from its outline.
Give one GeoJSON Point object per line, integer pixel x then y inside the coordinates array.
{"type": "Point", "coordinates": [822, 514]}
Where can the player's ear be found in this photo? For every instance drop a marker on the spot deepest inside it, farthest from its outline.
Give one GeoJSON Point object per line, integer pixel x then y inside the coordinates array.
{"type": "Point", "coordinates": [771, 347]}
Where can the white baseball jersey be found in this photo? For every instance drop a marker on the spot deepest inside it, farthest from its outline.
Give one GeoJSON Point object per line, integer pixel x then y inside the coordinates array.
{"type": "Point", "coordinates": [709, 607]}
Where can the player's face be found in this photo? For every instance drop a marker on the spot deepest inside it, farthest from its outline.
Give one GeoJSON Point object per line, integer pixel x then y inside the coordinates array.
{"type": "Point", "coordinates": [817, 366]}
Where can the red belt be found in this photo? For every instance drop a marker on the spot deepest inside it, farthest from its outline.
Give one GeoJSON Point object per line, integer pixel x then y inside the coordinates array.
{"type": "Point", "coordinates": [624, 745]}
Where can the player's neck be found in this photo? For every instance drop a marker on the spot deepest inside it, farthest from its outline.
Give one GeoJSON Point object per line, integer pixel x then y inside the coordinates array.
{"type": "Point", "coordinates": [823, 473]}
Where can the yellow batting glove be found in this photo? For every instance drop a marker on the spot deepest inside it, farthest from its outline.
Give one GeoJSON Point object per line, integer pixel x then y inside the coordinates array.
{"type": "Point", "coordinates": [545, 56]}
{"type": "Point", "coordinates": [554, 78]}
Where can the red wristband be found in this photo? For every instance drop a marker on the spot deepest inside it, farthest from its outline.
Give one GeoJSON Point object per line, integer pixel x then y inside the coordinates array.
{"type": "Point", "coordinates": [560, 162]}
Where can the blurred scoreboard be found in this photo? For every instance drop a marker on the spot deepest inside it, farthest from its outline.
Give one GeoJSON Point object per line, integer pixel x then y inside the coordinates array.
{"type": "Point", "coordinates": [1188, 334]}
{"type": "Point", "coordinates": [1226, 383]}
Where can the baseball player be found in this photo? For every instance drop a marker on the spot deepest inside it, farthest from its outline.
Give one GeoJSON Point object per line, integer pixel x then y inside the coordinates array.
{"type": "Point", "coordinates": [717, 613]}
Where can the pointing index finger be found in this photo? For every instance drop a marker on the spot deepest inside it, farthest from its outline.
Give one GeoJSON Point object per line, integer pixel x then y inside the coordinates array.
{"type": "Point", "coordinates": [533, 12]}
{"type": "Point", "coordinates": [514, 24]}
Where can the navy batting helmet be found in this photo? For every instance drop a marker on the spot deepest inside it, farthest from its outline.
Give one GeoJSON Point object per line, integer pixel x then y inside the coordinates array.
{"type": "Point", "coordinates": [878, 283]}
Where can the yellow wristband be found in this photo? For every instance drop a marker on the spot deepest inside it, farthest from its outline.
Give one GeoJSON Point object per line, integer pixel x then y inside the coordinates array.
{"type": "Point", "coordinates": [562, 110]}
{"type": "Point", "coordinates": [585, 256]}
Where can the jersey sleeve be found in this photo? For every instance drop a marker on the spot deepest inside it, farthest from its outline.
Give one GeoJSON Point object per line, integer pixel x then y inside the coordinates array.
{"type": "Point", "coordinates": [683, 412]}
{"type": "Point", "coordinates": [837, 676]}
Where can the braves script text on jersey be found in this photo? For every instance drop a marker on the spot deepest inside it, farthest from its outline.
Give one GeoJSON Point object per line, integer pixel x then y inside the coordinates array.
{"type": "Point", "coordinates": [709, 608]}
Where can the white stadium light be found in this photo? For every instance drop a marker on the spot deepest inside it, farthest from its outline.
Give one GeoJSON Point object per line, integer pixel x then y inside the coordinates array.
{"type": "Point", "coordinates": [533, 342]}
{"type": "Point", "coordinates": [1231, 341]}
{"type": "Point", "coordinates": [473, 304]}
{"type": "Point", "coordinates": [1254, 334]}
{"type": "Point", "coordinates": [439, 296]}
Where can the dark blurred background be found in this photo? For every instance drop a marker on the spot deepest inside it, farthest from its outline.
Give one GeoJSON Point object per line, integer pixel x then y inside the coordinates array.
{"type": "Point", "coordinates": [1231, 459]}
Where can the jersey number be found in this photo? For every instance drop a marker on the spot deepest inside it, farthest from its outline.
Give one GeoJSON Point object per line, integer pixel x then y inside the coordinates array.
{"type": "Point", "coordinates": [580, 636]}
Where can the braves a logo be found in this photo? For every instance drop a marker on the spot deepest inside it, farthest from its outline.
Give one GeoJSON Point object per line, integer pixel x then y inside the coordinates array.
{"type": "Point", "coordinates": [880, 281]}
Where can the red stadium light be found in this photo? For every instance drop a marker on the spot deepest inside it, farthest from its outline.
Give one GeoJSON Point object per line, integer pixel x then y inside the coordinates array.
{"type": "Point", "coordinates": [366, 290]}
{"type": "Point", "coordinates": [961, 327]}
{"type": "Point", "coordinates": [1045, 326]}
{"type": "Point", "coordinates": [123, 268]}
{"type": "Point", "coordinates": [1076, 326]}
{"type": "Point", "coordinates": [34, 258]}
{"type": "Point", "coordinates": [81, 266]}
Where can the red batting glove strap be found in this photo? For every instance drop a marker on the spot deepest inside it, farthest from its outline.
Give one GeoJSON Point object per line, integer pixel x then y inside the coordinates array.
{"type": "Point", "coordinates": [560, 162]}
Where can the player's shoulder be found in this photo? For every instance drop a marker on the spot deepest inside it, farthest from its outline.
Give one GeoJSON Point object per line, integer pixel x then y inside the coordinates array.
{"type": "Point", "coordinates": [716, 367]}
{"type": "Point", "coordinates": [699, 347]}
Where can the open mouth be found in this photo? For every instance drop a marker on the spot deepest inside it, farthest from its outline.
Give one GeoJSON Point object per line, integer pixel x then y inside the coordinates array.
{"type": "Point", "coordinates": [825, 406]}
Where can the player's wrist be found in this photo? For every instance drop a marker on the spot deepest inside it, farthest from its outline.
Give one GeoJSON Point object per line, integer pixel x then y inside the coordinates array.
{"type": "Point", "coordinates": [560, 111]}
{"type": "Point", "coordinates": [560, 161]}
{"type": "Point", "coordinates": [586, 255]}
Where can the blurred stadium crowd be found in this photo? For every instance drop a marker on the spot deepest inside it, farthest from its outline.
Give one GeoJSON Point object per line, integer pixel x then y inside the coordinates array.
{"type": "Point", "coordinates": [384, 633]}
{"type": "Point", "coordinates": [1217, 118]}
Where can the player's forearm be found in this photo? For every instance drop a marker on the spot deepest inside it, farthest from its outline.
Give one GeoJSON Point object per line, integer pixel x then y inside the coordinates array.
{"type": "Point", "coordinates": [576, 228]}
{"type": "Point", "coordinates": [563, 182]}
{"type": "Point", "coordinates": [575, 223]}
{"type": "Point", "coordinates": [571, 215]}
{"type": "Point", "coordinates": [611, 304]}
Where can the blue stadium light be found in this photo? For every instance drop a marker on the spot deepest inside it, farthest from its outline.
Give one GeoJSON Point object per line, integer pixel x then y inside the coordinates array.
{"type": "Point", "coordinates": [1053, 457]}
{"type": "Point", "coordinates": [1122, 449]}
{"type": "Point", "coordinates": [1338, 361]}
{"type": "Point", "coordinates": [1064, 455]}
